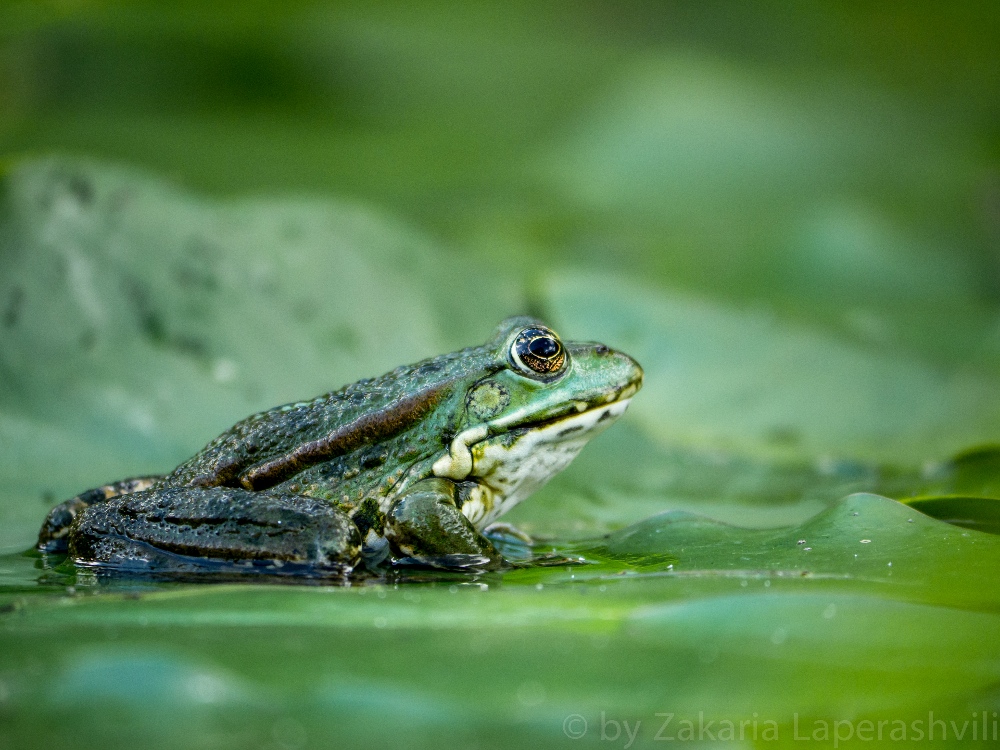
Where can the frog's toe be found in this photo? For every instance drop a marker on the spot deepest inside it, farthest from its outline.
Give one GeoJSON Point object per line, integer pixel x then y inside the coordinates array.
{"type": "Point", "coordinates": [454, 562]}
{"type": "Point", "coordinates": [506, 533]}
{"type": "Point", "coordinates": [257, 532]}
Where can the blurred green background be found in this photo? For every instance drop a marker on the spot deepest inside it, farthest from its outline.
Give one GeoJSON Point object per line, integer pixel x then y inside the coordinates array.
{"type": "Point", "coordinates": [789, 213]}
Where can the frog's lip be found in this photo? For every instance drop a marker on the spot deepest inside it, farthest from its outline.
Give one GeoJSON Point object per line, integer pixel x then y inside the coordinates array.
{"type": "Point", "coordinates": [457, 462]}
{"type": "Point", "coordinates": [574, 409]}
{"type": "Point", "coordinates": [577, 412]}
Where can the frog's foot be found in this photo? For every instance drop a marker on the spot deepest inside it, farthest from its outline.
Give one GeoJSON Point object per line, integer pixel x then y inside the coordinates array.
{"type": "Point", "coordinates": [515, 546]}
{"type": "Point", "coordinates": [55, 528]}
{"type": "Point", "coordinates": [426, 527]}
{"type": "Point", "coordinates": [194, 528]}
{"type": "Point", "coordinates": [505, 532]}
{"type": "Point", "coordinates": [454, 563]}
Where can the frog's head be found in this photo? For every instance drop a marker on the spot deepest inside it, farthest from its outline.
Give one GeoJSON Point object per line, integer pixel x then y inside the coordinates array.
{"type": "Point", "coordinates": [532, 410]}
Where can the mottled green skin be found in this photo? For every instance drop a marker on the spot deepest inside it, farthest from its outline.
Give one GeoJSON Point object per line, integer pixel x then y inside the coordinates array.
{"type": "Point", "coordinates": [371, 452]}
{"type": "Point", "coordinates": [373, 470]}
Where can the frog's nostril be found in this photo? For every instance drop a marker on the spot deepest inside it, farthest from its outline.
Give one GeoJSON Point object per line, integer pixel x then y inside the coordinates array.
{"type": "Point", "coordinates": [602, 349]}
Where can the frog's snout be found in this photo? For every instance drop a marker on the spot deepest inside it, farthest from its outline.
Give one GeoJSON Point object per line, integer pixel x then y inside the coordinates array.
{"type": "Point", "coordinates": [622, 370]}
{"type": "Point", "coordinates": [633, 375]}
{"type": "Point", "coordinates": [621, 362]}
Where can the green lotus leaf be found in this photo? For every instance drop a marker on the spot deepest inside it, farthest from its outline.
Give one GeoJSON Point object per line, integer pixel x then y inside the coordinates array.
{"type": "Point", "coordinates": [979, 513]}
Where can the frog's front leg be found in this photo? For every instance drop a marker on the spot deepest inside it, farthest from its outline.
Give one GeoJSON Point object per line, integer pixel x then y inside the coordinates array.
{"type": "Point", "coordinates": [426, 525]}
{"type": "Point", "coordinates": [199, 526]}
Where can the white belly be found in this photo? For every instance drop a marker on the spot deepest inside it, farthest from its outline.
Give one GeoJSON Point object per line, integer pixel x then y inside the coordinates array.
{"type": "Point", "coordinates": [507, 471]}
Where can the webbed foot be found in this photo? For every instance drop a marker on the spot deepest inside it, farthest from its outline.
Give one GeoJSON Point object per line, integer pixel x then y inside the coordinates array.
{"type": "Point", "coordinates": [502, 531]}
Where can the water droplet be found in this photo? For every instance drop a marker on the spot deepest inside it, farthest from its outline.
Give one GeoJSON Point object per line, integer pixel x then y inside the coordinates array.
{"type": "Point", "coordinates": [380, 622]}
{"type": "Point", "coordinates": [767, 584]}
{"type": "Point", "coordinates": [866, 541]}
{"type": "Point", "coordinates": [801, 541]}
{"type": "Point", "coordinates": [779, 636]}
{"type": "Point", "coordinates": [830, 612]}
{"type": "Point", "coordinates": [539, 586]}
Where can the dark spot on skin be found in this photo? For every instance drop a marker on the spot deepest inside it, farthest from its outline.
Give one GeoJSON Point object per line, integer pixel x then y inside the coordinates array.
{"type": "Point", "coordinates": [513, 436]}
{"type": "Point", "coordinates": [367, 517]}
{"type": "Point", "coordinates": [602, 349]}
{"type": "Point", "coordinates": [429, 369]}
{"type": "Point", "coordinates": [464, 493]}
{"type": "Point", "coordinates": [570, 430]}
{"type": "Point", "coordinates": [605, 415]}
{"type": "Point", "coordinates": [373, 461]}
{"type": "Point", "coordinates": [15, 303]}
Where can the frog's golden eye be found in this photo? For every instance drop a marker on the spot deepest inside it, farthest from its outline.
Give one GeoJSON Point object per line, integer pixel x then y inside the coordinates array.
{"type": "Point", "coordinates": [538, 351]}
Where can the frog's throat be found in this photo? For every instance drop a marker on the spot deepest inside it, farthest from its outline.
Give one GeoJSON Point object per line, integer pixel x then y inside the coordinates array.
{"type": "Point", "coordinates": [458, 463]}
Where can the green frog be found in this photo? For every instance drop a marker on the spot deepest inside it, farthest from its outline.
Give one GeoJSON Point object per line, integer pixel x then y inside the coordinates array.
{"type": "Point", "coordinates": [413, 467]}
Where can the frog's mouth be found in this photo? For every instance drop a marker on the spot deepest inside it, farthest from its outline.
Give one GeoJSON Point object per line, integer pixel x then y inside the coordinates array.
{"type": "Point", "coordinates": [578, 417]}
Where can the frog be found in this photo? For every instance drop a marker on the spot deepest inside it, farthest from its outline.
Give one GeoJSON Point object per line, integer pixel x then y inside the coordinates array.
{"type": "Point", "coordinates": [411, 468]}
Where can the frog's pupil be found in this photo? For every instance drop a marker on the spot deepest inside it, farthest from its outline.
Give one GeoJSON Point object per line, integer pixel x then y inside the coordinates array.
{"type": "Point", "coordinates": [544, 347]}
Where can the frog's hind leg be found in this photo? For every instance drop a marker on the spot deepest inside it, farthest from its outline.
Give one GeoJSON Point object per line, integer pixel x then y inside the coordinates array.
{"type": "Point", "coordinates": [220, 529]}
{"type": "Point", "coordinates": [52, 536]}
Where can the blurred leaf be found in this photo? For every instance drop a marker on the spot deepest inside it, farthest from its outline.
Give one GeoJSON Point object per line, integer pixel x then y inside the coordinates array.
{"type": "Point", "coordinates": [979, 513]}
{"type": "Point", "coordinates": [864, 542]}
{"type": "Point", "coordinates": [746, 380]}
{"type": "Point", "coordinates": [976, 471]}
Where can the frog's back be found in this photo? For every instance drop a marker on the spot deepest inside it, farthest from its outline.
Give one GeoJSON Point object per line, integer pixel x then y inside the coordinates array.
{"type": "Point", "coordinates": [271, 446]}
